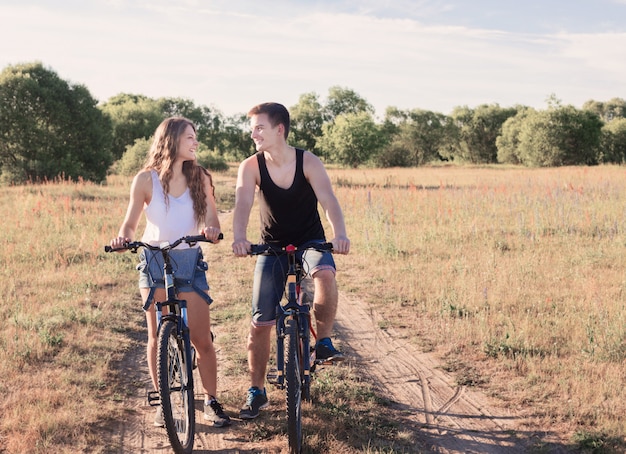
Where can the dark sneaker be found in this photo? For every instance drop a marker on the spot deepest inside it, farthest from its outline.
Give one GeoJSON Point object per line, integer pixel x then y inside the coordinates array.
{"type": "Point", "coordinates": [213, 411]}
{"type": "Point", "coordinates": [158, 418]}
{"type": "Point", "coordinates": [256, 400]}
{"type": "Point", "coordinates": [326, 353]}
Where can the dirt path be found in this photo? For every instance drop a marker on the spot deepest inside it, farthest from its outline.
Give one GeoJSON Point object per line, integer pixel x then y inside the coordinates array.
{"type": "Point", "coordinates": [448, 418]}
{"type": "Point", "coordinates": [445, 418]}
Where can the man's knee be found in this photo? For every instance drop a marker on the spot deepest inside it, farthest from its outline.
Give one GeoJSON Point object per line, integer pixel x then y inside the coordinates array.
{"type": "Point", "coordinates": [258, 333]}
{"type": "Point", "coordinates": [325, 276]}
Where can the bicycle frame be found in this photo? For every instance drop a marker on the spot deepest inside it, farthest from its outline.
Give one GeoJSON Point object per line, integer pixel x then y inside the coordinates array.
{"type": "Point", "coordinates": [295, 309]}
{"type": "Point", "coordinates": [177, 308]}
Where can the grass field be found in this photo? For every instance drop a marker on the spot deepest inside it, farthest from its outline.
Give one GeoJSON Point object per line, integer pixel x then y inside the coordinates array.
{"type": "Point", "coordinates": [514, 277]}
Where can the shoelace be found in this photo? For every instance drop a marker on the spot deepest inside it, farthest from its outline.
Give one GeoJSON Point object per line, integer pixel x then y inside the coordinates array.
{"type": "Point", "coordinates": [217, 407]}
{"type": "Point", "coordinates": [251, 396]}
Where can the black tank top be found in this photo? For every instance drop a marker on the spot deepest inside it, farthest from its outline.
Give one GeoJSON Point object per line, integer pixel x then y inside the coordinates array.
{"type": "Point", "coordinates": [288, 216]}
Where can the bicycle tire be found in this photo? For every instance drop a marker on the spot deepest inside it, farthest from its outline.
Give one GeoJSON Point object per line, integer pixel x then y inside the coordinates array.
{"type": "Point", "coordinates": [176, 389]}
{"type": "Point", "coordinates": [293, 386]}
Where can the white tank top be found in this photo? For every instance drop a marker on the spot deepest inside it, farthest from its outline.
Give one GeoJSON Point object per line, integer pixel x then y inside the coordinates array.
{"type": "Point", "coordinates": [168, 223]}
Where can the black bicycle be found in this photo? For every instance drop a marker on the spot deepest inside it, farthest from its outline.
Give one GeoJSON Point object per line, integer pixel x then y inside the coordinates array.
{"type": "Point", "coordinates": [175, 354]}
{"type": "Point", "coordinates": [295, 358]}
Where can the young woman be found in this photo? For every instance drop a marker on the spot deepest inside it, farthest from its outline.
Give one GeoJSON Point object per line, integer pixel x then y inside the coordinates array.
{"type": "Point", "coordinates": [177, 196]}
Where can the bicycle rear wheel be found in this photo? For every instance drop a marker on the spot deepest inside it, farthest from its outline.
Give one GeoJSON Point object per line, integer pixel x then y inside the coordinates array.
{"type": "Point", "coordinates": [294, 387]}
{"type": "Point", "coordinates": [176, 389]}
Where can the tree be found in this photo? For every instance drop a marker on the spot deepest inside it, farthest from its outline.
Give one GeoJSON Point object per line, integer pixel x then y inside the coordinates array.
{"type": "Point", "coordinates": [352, 139]}
{"type": "Point", "coordinates": [508, 142]}
{"type": "Point", "coordinates": [344, 101]}
{"type": "Point", "coordinates": [478, 130]}
{"type": "Point", "coordinates": [211, 129]}
{"type": "Point", "coordinates": [237, 144]}
{"type": "Point", "coordinates": [306, 122]}
{"type": "Point", "coordinates": [133, 117]}
{"type": "Point", "coordinates": [614, 141]}
{"type": "Point", "coordinates": [209, 122]}
{"type": "Point", "coordinates": [50, 128]}
{"type": "Point", "coordinates": [607, 111]}
{"type": "Point", "coordinates": [416, 137]}
{"type": "Point", "coordinates": [560, 135]}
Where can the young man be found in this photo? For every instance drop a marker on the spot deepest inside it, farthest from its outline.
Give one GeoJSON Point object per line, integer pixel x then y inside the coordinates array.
{"type": "Point", "coordinates": [290, 184]}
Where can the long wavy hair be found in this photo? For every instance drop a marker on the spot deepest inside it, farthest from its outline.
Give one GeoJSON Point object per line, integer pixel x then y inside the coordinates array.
{"type": "Point", "coordinates": [161, 157]}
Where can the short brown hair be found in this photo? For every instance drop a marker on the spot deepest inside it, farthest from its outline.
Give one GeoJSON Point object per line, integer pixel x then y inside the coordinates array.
{"type": "Point", "coordinates": [276, 113]}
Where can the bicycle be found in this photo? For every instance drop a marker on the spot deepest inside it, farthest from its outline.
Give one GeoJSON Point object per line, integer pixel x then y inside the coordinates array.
{"type": "Point", "coordinates": [175, 354]}
{"type": "Point", "coordinates": [295, 359]}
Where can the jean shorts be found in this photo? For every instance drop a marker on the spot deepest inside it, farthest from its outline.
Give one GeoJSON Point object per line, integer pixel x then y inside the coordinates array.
{"type": "Point", "coordinates": [189, 270]}
{"type": "Point", "coordinates": [270, 278]}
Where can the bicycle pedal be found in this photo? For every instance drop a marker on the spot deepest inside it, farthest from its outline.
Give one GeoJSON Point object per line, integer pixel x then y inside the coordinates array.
{"type": "Point", "coordinates": [324, 362]}
{"type": "Point", "coordinates": [154, 398]}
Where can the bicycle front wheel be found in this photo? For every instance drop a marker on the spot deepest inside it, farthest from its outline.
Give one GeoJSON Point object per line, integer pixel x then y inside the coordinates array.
{"type": "Point", "coordinates": [176, 389]}
{"type": "Point", "coordinates": [294, 387]}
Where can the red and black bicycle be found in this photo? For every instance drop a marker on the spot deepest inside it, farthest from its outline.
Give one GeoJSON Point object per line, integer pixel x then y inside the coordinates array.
{"type": "Point", "coordinates": [295, 359]}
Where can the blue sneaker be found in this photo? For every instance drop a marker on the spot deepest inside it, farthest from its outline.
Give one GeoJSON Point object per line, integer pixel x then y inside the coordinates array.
{"type": "Point", "coordinates": [325, 353]}
{"type": "Point", "coordinates": [256, 400]}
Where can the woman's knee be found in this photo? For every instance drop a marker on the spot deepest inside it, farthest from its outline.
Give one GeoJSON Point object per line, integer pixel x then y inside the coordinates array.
{"type": "Point", "coordinates": [201, 340]}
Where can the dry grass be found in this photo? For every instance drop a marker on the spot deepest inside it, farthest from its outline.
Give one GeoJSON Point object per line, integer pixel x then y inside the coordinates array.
{"type": "Point", "coordinates": [515, 277]}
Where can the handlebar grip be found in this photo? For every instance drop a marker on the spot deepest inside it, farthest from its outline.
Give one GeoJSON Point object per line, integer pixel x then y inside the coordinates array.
{"type": "Point", "coordinates": [328, 246]}
{"type": "Point", "coordinates": [196, 238]}
{"type": "Point", "coordinates": [259, 248]}
{"type": "Point", "coordinates": [112, 249]}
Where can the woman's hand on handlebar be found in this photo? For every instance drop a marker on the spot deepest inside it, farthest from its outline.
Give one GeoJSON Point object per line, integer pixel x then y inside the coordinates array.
{"type": "Point", "coordinates": [241, 248]}
{"type": "Point", "coordinates": [212, 234]}
{"type": "Point", "coordinates": [119, 243]}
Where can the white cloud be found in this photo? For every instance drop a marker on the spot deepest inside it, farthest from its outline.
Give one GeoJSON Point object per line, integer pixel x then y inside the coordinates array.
{"type": "Point", "coordinates": [232, 59]}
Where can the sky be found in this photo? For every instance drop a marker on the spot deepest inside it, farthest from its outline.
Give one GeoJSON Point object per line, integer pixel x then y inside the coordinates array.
{"type": "Point", "coordinates": [410, 54]}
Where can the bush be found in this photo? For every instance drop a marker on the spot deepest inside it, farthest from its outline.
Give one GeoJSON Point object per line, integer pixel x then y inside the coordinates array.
{"type": "Point", "coordinates": [134, 158]}
{"type": "Point", "coordinates": [211, 160]}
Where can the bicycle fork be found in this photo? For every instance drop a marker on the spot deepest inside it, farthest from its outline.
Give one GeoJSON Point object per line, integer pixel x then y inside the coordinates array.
{"type": "Point", "coordinates": [302, 315]}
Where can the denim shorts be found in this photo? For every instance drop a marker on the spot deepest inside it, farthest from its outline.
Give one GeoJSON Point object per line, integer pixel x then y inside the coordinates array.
{"type": "Point", "coordinates": [189, 270]}
{"type": "Point", "coordinates": [270, 278]}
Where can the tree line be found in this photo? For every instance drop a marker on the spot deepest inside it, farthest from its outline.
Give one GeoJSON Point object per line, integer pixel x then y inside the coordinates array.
{"type": "Point", "coordinates": [51, 128]}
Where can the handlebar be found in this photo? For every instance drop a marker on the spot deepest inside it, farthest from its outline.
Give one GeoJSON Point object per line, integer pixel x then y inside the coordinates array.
{"type": "Point", "coordinates": [268, 249]}
{"type": "Point", "coordinates": [134, 245]}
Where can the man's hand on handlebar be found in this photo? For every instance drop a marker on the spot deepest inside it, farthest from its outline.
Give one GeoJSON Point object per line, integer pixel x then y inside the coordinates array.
{"type": "Point", "coordinates": [341, 245]}
{"type": "Point", "coordinates": [241, 248]}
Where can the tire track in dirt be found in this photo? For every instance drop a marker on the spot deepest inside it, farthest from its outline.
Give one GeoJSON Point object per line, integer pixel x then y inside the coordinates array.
{"type": "Point", "coordinates": [447, 418]}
